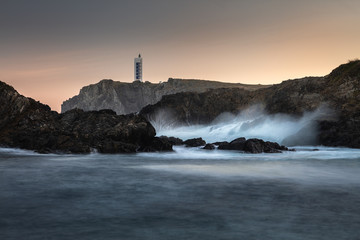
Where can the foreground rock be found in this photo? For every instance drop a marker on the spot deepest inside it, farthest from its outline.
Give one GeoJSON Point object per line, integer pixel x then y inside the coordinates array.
{"type": "Point", "coordinates": [173, 140]}
{"type": "Point", "coordinates": [252, 145]}
{"type": "Point", "coordinates": [194, 142]}
{"type": "Point", "coordinates": [157, 145]}
{"type": "Point", "coordinates": [209, 146]}
{"type": "Point", "coordinates": [28, 124]}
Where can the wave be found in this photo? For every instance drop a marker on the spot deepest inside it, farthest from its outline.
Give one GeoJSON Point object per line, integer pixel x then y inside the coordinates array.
{"type": "Point", "coordinates": [253, 122]}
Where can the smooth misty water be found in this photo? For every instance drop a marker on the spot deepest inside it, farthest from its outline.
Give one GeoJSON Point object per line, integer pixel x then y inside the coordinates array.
{"type": "Point", "coordinates": [189, 194]}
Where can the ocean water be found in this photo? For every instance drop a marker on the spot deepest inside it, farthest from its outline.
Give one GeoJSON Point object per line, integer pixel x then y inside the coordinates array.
{"type": "Point", "coordinates": [188, 194]}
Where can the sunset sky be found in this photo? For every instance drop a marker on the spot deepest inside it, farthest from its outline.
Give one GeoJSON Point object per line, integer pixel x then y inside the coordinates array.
{"type": "Point", "coordinates": [50, 49]}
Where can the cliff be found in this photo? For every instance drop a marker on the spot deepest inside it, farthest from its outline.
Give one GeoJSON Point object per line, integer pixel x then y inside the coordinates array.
{"type": "Point", "coordinates": [291, 97]}
{"type": "Point", "coordinates": [340, 91]}
{"type": "Point", "coordinates": [28, 124]}
{"type": "Point", "coordinates": [126, 98]}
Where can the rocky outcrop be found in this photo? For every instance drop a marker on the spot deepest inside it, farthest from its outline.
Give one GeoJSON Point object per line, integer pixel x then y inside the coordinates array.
{"type": "Point", "coordinates": [252, 145]}
{"type": "Point", "coordinates": [291, 97]}
{"type": "Point", "coordinates": [194, 142]}
{"type": "Point", "coordinates": [157, 145]}
{"type": "Point", "coordinates": [126, 98]}
{"type": "Point", "coordinates": [209, 146]}
{"type": "Point", "coordinates": [173, 140]}
{"type": "Point", "coordinates": [28, 124]}
{"type": "Point", "coordinates": [200, 108]}
{"type": "Point", "coordinates": [236, 144]}
{"type": "Point", "coordinates": [340, 91]}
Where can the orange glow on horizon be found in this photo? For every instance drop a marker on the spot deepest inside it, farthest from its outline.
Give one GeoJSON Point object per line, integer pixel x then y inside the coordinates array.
{"type": "Point", "coordinates": [251, 43]}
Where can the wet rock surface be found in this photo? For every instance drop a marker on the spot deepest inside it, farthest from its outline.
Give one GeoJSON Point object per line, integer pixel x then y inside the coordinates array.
{"type": "Point", "coordinates": [236, 144]}
{"type": "Point", "coordinates": [28, 124]}
{"type": "Point", "coordinates": [194, 142]}
{"type": "Point", "coordinates": [252, 145]}
{"type": "Point", "coordinates": [173, 140]}
{"type": "Point", "coordinates": [157, 145]}
{"type": "Point", "coordinates": [209, 146]}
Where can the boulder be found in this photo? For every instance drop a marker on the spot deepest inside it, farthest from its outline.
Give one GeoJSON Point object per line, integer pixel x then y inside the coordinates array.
{"type": "Point", "coordinates": [209, 146]}
{"type": "Point", "coordinates": [236, 144]}
{"type": "Point", "coordinates": [220, 143]}
{"type": "Point", "coordinates": [194, 142]}
{"type": "Point", "coordinates": [255, 145]}
{"type": "Point", "coordinates": [158, 144]}
{"type": "Point", "coordinates": [173, 140]}
{"type": "Point", "coordinates": [252, 145]}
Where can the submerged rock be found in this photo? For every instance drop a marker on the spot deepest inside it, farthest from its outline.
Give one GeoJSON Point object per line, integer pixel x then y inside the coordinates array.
{"type": "Point", "coordinates": [194, 142]}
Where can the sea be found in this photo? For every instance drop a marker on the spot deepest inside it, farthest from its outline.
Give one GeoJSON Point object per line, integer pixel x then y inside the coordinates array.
{"type": "Point", "coordinates": [310, 193]}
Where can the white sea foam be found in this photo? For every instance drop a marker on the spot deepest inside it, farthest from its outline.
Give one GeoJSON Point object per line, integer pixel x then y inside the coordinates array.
{"type": "Point", "coordinates": [302, 153]}
{"type": "Point", "coordinates": [306, 173]}
{"type": "Point", "coordinates": [250, 123]}
{"type": "Point", "coordinates": [323, 166]}
{"type": "Point", "coordinates": [17, 151]}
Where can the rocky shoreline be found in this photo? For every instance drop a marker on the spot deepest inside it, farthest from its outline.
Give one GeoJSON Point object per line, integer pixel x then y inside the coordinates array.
{"type": "Point", "coordinates": [339, 92]}
{"type": "Point", "coordinates": [252, 145]}
{"type": "Point", "coordinates": [28, 124]}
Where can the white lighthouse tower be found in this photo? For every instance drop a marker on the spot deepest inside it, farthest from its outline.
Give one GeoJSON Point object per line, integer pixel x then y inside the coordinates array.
{"type": "Point", "coordinates": [138, 69]}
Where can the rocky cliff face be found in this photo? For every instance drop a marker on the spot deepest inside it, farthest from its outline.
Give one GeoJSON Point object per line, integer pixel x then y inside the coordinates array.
{"type": "Point", "coordinates": [291, 97]}
{"type": "Point", "coordinates": [126, 98]}
{"type": "Point", "coordinates": [340, 90]}
{"type": "Point", "coordinates": [28, 124]}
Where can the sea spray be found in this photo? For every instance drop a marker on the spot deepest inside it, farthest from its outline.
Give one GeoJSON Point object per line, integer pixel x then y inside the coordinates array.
{"type": "Point", "coordinates": [253, 122]}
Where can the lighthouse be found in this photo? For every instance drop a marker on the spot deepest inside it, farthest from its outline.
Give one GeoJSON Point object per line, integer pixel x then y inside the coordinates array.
{"type": "Point", "coordinates": [138, 69]}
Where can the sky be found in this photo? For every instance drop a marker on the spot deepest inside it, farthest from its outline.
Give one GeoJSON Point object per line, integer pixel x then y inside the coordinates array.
{"type": "Point", "coordinates": [50, 49]}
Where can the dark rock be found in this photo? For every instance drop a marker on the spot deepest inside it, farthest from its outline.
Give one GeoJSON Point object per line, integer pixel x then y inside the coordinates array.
{"type": "Point", "coordinates": [31, 125]}
{"type": "Point", "coordinates": [219, 143]}
{"type": "Point", "coordinates": [255, 145]}
{"type": "Point", "coordinates": [173, 140]}
{"type": "Point", "coordinates": [344, 132]}
{"type": "Point", "coordinates": [224, 145]}
{"type": "Point", "coordinates": [199, 108]}
{"type": "Point", "coordinates": [209, 146]}
{"type": "Point", "coordinates": [158, 144]}
{"type": "Point", "coordinates": [116, 147]}
{"type": "Point", "coordinates": [236, 144]}
{"type": "Point", "coordinates": [194, 142]}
